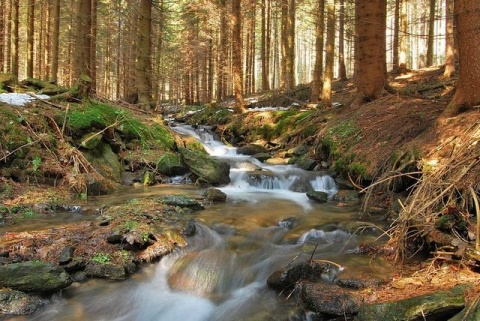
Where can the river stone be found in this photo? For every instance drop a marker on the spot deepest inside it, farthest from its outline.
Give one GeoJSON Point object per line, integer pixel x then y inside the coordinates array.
{"type": "Point", "coordinates": [214, 195]}
{"type": "Point", "coordinates": [169, 164]}
{"type": "Point", "coordinates": [440, 303]}
{"type": "Point", "coordinates": [251, 149]}
{"type": "Point", "coordinates": [182, 201]}
{"type": "Point", "coordinates": [206, 167]}
{"type": "Point", "coordinates": [332, 300]}
{"type": "Point", "coordinates": [262, 156]}
{"type": "Point", "coordinates": [66, 255]}
{"type": "Point", "coordinates": [105, 271]}
{"type": "Point", "coordinates": [297, 151]}
{"type": "Point", "coordinates": [34, 276]}
{"type": "Point", "coordinates": [19, 303]}
{"type": "Point", "coordinates": [306, 163]}
{"type": "Point", "coordinates": [189, 229]}
{"type": "Point", "coordinates": [288, 276]}
{"type": "Point", "coordinates": [320, 197]}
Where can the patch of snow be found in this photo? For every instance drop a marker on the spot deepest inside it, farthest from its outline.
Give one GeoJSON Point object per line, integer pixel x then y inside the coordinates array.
{"type": "Point", "coordinates": [20, 99]}
{"type": "Point", "coordinates": [268, 108]}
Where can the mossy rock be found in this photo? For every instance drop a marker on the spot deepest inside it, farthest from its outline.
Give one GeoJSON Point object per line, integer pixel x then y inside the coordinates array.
{"type": "Point", "coordinates": [440, 303]}
{"type": "Point", "coordinates": [90, 140]}
{"type": "Point", "coordinates": [207, 168]}
{"type": "Point", "coordinates": [7, 81]}
{"type": "Point", "coordinates": [105, 162]}
{"type": "Point", "coordinates": [170, 164]}
{"type": "Point", "coordinates": [148, 178]}
{"type": "Point", "coordinates": [317, 196]}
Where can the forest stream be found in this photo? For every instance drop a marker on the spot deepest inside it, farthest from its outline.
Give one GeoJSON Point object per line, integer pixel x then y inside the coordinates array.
{"type": "Point", "coordinates": [221, 275]}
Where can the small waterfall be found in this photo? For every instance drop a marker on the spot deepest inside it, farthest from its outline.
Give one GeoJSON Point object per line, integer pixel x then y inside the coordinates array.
{"type": "Point", "coordinates": [325, 184]}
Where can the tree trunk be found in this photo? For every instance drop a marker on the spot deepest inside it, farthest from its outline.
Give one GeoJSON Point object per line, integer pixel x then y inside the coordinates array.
{"type": "Point", "coordinates": [370, 49]}
{"type": "Point", "coordinates": [237, 55]}
{"type": "Point", "coordinates": [30, 36]}
{"type": "Point", "coordinates": [466, 94]}
{"type": "Point", "coordinates": [330, 54]}
{"type": "Point", "coordinates": [3, 21]}
{"type": "Point", "coordinates": [318, 69]}
{"type": "Point", "coordinates": [221, 64]}
{"type": "Point", "coordinates": [284, 44]}
{"type": "Point", "coordinates": [81, 65]}
{"type": "Point", "coordinates": [342, 71]}
{"type": "Point", "coordinates": [143, 65]}
{"type": "Point", "coordinates": [15, 37]}
{"type": "Point", "coordinates": [396, 32]}
{"type": "Point", "coordinates": [449, 40]}
{"type": "Point", "coordinates": [431, 33]}
{"type": "Point", "coordinates": [263, 53]}
{"type": "Point", "coordinates": [402, 63]}
{"type": "Point", "coordinates": [93, 46]}
{"type": "Point", "coordinates": [290, 63]}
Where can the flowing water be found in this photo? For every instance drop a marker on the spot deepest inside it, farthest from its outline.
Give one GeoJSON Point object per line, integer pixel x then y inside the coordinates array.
{"type": "Point", "coordinates": [265, 224]}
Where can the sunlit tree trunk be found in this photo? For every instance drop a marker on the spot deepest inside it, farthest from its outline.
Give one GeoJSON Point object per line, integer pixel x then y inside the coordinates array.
{"type": "Point", "coordinates": [342, 71]}
{"type": "Point", "coordinates": [221, 64]}
{"type": "Point", "coordinates": [402, 57]}
{"type": "Point", "coordinates": [449, 40]}
{"type": "Point", "coordinates": [30, 36]}
{"type": "Point", "coordinates": [237, 55]}
{"type": "Point", "coordinates": [15, 37]}
{"type": "Point", "coordinates": [93, 46]}
{"type": "Point", "coordinates": [467, 93]}
{"type": "Point", "coordinates": [431, 33]}
{"type": "Point", "coordinates": [370, 49]}
{"type": "Point", "coordinates": [329, 57]}
{"type": "Point", "coordinates": [3, 22]}
{"type": "Point", "coordinates": [283, 44]}
{"type": "Point", "coordinates": [264, 51]}
{"type": "Point", "coordinates": [290, 63]}
{"type": "Point", "coordinates": [318, 69]}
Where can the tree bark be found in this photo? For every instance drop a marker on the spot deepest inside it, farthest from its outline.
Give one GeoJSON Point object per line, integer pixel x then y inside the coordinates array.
{"type": "Point", "coordinates": [467, 93]}
{"type": "Point", "coordinates": [290, 63]}
{"type": "Point", "coordinates": [15, 37]}
{"type": "Point", "coordinates": [449, 40]}
{"type": "Point", "coordinates": [370, 49]}
{"type": "Point", "coordinates": [318, 69]}
{"type": "Point", "coordinates": [81, 65]}
{"type": "Point", "coordinates": [330, 55]}
{"type": "Point", "coordinates": [143, 65]}
{"type": "Point", "coordinates": [30, 36]}
{"type": "Point", "coordinates": [221, 64]}
{"type": "Point", "coordinates": [284, 44]}
{"type": "Point", "coordinates": [342, 71]}
{"type": "Point", "coordinates": [431, 33]}
{"type": "Point", "coordinates": [237, 55]}
{"type": "Point", "coordinates": [3, 21]}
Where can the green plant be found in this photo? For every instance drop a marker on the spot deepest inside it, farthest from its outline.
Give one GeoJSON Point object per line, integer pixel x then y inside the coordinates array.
{"type": "Point", "coordinates": [36, 162]}
{"type": "Point", "coordinates": [29, 213]}
{"type": "Point", "coordinates": [130, 225]}
{"type": "Point", "coordinates": [101, 258]}
{"type": "Point", "coordinates": [134, 201]}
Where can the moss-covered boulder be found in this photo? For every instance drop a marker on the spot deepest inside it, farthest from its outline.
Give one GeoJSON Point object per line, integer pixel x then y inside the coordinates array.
{"type": "Point", "coordinates": [106, 163]}
{"type": "Point", "coordinates": [251, 149]}
{"type": "Point", "coordinates": [207, 168]}
{"type": "Point", "coordinates": [6, 82]}
{"type": "Point", "coordinates": [34, 276]}
{"type": "Point", "coordinates": [182, 201]}
{"type": "Point", "coordinates": [19, 303]}
{"type": "Point", "coordinates": [105, 271]}
{"type": "Point", "coordinates": [317, 196]}
{"type": "Point", "coordinates": [441, 303]}
{"type": "Point", "coordinates": [214, 195]}
{"type": "Point", "coordinates": [170, 164]}
{"type": "Point", "coordinates": [90, 140]}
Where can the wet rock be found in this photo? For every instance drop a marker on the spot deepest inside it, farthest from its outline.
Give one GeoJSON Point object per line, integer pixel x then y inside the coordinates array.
{"type": "Point", "coordinates": [287, 277]}
{"type": "Point", "coordinates": [170, 164]}
{"type": "Point", "coordinates": [440, 303]}
{"type": "Point", "coordinates": [289, 222]}
{"type": "Point", "coordinates": [34, 276]}
{"type": "Point", "coordinates": [297, 151]}
{"type": "Point", "coordinates": [66, 255]}
{"type": "Point", "coordinates": [105, 271]}
{"type": "Point", "coordinates": [262, 156]}
{"type": "Point", "coordinates": [251, 149]}
{"type": "Point", "coordinates": [19, 303]}
{"type": "Point", "coordinates": [332, 300]}
{"type": "Point", "coordinates": [182, 201]}
{"type": "Point", "coordinates": [343, 183]}
{"type": "Point", "coordinates": [317, 196]}
{"type": "Point", "coordinates": [214, 195]}
{"type": "Point", "coordinates": [130, 267]}
{"type": "Point", "coordinates": [189, 229]}
{"type": "Point", "coordinates": [306, 163]}
{"type": "Point", "coordinates": [43, 208]}
{"type": "Point", "coordinates": [69, 208]}
{"type": "Point", "coordinates": [79, 276]}
{"type": "Point", "coordinates": [114, 238]}
{"type": "Point", "coordinates": [76, 264]}
{"type": "Point", "coordinates": [206, 167]}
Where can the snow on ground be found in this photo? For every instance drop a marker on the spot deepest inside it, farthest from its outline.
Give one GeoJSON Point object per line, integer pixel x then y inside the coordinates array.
{"type": "Point", "coordinates": [22, 99]}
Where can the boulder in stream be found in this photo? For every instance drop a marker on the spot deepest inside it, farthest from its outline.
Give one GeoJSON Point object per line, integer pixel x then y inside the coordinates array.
{"type": "Point", "coordinates": [34, 276]}
{"type": "Point", "coordinates": [169, 164]}
{"type": "Point", "coordinates": [19, 303]}
{"type": "Point", "coordinates": [251, 149]}
{"type": "Point", "coordinates": [183, 202]}
{"type": "Point", "coordinates": [317, 196]}
{"type": "Point", "coordinates": [214, 195]}
{"type": "Point", "coordinates": [105, 271]}
{"type": "Point", "coordinates": [207, 168]}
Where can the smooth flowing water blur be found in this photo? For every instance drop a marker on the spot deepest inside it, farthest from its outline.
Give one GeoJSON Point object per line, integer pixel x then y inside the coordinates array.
{"type": "Point", "coordinates": [222, 273]}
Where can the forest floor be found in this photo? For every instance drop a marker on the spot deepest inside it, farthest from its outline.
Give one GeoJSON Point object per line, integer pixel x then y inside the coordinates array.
{"type": "Point", "coordinates": [397, 123]}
